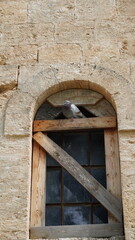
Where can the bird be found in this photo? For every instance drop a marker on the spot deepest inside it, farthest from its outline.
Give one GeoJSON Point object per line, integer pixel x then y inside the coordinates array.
{"type": "Point", "coordinates": [70, 110]}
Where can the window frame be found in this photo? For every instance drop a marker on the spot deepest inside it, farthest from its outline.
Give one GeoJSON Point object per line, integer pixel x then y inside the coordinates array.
{"type": "Point", "coordinates": [37, 226]}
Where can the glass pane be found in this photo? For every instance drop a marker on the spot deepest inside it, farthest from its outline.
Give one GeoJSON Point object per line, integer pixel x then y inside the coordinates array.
{"type": "Point", "coordinates": [73, 191]}
{"type": "Point", "coordinates": [53, 216]}
{"type": "Point", "coordinates": [50, 161]}
{"type": "Point", "coordinates": [77, 145]}
{"type": "Point", "coordinates": [100, 175]}
{"type": "Point", "coordinates": [76, 215]}
{"type": "Point", "coordinates": [57, 138]}
{"type": "Point", "coordinates": [53, 187]}
{"type": "Point", "coordinates": [97, 149]}
{"type": "Point", "coordinates": [100, 214]}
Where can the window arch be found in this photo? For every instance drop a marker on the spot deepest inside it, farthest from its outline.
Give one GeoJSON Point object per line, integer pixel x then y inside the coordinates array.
{"type": "Point", "coordinates": [94, 210]}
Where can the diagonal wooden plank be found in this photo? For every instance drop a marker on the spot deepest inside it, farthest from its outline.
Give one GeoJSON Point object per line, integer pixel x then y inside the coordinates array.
{"type": "Point", "coordinates": [74, 124]}
{"type": "Point", "coordinates": [73, 231]}
{"type": "Point", "coordinates": [81, 175]}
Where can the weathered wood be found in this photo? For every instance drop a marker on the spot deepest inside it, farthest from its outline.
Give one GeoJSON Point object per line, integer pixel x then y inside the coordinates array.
{"type": "Point", "coordinates": [47, 112]}
{"type": "Point", "coordinates": [112, 165]}
{"type": "Point", "coordinates": [101, 109]}
{"type": "Point", "coordinates": [38, 186]}
{"type": "Point", "coordinates": [93, 230]}
{"type": "Point", "coordinates": [80, 174]}
{"type": "Point", "coordinates": [74, 124]}
{"type": "Point", "coordinates": [77, 96]}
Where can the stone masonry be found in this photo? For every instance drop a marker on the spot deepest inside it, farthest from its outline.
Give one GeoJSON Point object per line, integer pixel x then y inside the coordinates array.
{"type": "Point", "coordinates": [48, 46]}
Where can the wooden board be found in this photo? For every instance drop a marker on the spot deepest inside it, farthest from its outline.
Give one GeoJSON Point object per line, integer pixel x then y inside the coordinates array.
{"type": "Point", "coordinates": [101, 109]}
{"type": "Point", "coordinates": [112, 165]}
{"type": "Point", "coordinates": [38, 186]}
{"type": "Point", "coordinates": [79, 97]}
{"type": "Point", "coordinates": [74, 124]}
{"type": "Point", "coordinates": [79, 231]}
{"type": "Point", "coordinates": [80, 174]}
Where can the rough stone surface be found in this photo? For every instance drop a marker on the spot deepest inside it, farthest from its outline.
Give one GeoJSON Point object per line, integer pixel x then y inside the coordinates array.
{"type": "Point", "coordinates": [48, 46]}
{"type": "Point", "coordinates": [60, 53]}
{"type": "Point", "coordinates": [18, 54]}
{"type": "Point", "coordinates": [69, 32]}
{"type": "Point", "coordinates": [14, 191]}
{"type": "Point", "coordinates": [13, 12]}
{"type": "Point", "coordinates": [18, 119]}
{"type": "Point", "coordinates": [21, 34]}
{"type": "Point", "coordinates": [52, 11]}
{"type": "Point", "coordinates": [4, 98]}
{"type": "Point", "coordinates": [8, 77]}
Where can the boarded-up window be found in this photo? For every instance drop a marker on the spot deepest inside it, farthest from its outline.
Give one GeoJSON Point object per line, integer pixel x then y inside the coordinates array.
{"type": "Point", "coordinates": [76, 175]}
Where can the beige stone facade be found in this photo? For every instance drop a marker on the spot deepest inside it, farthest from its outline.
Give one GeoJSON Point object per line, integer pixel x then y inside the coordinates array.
{"type": "Point", "coordinates": [48, 46]}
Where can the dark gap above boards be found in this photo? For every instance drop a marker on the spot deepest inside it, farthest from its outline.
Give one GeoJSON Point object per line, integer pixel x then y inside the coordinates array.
{"type": "Point", "coordinates": [48, 112]}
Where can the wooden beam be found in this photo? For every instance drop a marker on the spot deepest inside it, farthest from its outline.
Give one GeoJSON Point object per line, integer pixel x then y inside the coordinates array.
{"type": "Point", "coordinates": [79, 97]}
{"type": "Point", "coordinates": [79, 231]}
{"type": "Point", "coordinates": [112, 165]}
{"type": "Point", "coordinates": [38, 186]}
{"type": "Point", "coordinates": [80, 174]}
{"type": "Point", "coordinates": [74, 124]}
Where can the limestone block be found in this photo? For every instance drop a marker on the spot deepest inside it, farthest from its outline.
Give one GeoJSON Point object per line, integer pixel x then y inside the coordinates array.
{"type": "Point", "coordinates": [120, 66]}
{"type": "Point", "coordinates": [96, 53]}
{"type": "Point", "coordinates": [4, 97]}
{"type": "Point", "coordinates": [50, 11]}
{"type": "Point", "coordinates": [8, 77]}
{"type": "Point", "coordinates": [126, 145]}
{"type": "Point", "coordinates": [132, 79]}
{"type": "Point", "coordinates": [14, 191]}
{"type": "Point", "coordinates": [23, 54]}
{"type": "Point", "coordinates": [36, 80]}
{"type": "Point", "coordinates": [69, 32]}
{"type": "Point", "coordinates": [126, 8]}
{"type": "Point", "coordinates": [86, 10]}
{"type": "Point", "coordinates": [116, 36]}
{"type": "Point", "coordinates": [127, 48]}
{"type": "Point", "coordinates": [68, 72]}
{"type": "Point", "coordinates": [109, 238]}
{"type": "Point", "coordinates": [106, 44]}
{"type": "Point", "coordinates": [129, 213]}
{"type": "Point", "coordinates": [13, 12]}
{"type": "Point", "coordinates": [128, 176]}
{"type": "Point", "coordinates": [127, 160]}
{"type": "Point", "coordinates": [19, 114]}
{"type": "Point", "coordinates": [14, 34]}
{"type": "Point", "coordinates": [60, 53]}
{"type": "Point", "coordinates": [125, 113]}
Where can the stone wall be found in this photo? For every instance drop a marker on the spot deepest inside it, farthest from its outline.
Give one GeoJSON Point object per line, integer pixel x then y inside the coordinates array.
{"type": "Point", "coordinates": [48, 46]}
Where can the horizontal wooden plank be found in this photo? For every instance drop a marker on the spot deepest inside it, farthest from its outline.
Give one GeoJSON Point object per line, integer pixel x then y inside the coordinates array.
{"type": "Point", "coordinates": [79, 97]}
{"type": "Point", "coordinates": [93, 230]}
{"type": "Point", "coordinates": [74, 124]}
{"type": "Point", "coordinates": [81, 175]}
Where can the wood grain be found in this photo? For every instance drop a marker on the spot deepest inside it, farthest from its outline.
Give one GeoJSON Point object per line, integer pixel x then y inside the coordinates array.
{"type": "Point", "coordinates": [38, 186]}
{"type": "Point", "coordinates": [112, 164]}
{"type": "Point", "coordinates": [93, 230]}
{"type": "Point", "coordinates": [81, 175]}
{"type": "Point", "coordinates": [74, 124]}
{"type": "Point", "coordinates": [79, 97]}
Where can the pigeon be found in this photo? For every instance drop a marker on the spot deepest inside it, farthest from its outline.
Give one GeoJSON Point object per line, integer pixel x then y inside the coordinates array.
{"type": "Point", "coordinates": [70, 110]}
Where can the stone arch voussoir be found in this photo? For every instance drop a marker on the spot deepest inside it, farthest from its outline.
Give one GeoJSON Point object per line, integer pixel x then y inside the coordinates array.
{"type": "Point", "coordinates": [37, 83]}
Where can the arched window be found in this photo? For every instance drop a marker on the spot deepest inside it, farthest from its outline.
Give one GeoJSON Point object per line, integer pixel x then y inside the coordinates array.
{"type": "Point", "coordinates": [76, 174]}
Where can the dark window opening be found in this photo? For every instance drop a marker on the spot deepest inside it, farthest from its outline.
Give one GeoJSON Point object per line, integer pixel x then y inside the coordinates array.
{"type": "Point", "coordinates": [67, 202]}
